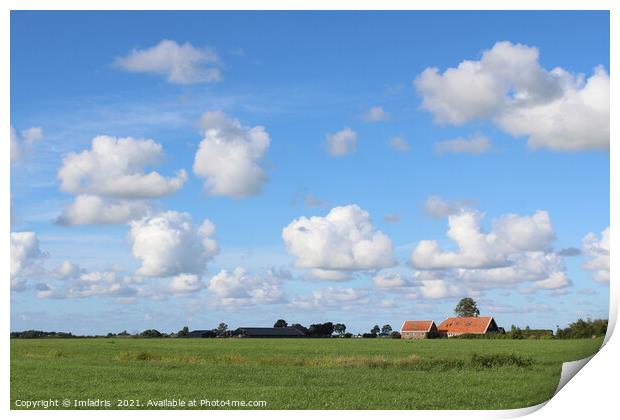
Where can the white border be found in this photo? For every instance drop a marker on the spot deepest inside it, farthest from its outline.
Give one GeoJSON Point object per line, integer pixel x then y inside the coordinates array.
{"type": "Point", "coordinates": [591, 394]}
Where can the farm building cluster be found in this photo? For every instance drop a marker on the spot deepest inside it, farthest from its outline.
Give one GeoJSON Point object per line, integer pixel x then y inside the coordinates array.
{"type": "Point", "coordinates": [451, 327]}
{"type": "Point", "coordinates": [252, 332]}
{"type": "Point", "coordinates": [411, 329]}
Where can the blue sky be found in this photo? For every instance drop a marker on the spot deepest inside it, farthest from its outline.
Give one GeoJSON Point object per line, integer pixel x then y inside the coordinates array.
{"type": "Point", "coordinates": [305, 76]}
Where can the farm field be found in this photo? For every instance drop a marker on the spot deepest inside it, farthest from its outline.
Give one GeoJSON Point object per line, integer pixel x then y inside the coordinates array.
{"type": "Point", "coordinates": [296, 373]}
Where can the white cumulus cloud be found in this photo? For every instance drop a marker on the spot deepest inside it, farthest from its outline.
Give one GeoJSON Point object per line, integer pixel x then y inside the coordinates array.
{"type": "Point", "coordinates": [186, 283]}
{"type": "Point", "coordinates": [517, 250]}
{"type": "Point", "coordinates": [335, 245]}
{"type": "Point", "coordinates": [477, 249]}
{"type": "Point", "coordinates": [180, 64]}
{"type": "Point", "coordinates": [553, 109]}
{"type": "Point", "coordinates": [439, 208]}
{"type": "Point", "coordinates": [388, 280]}
{"type": "Point", "coordinates": [114, 167]}
{"type": "Point", "coordinates": [399, 144]}
{"type": "Point", "coordinates": [439, 289]}
{"type": "Point", "coordinates": [578, 120]}
{"type": "Point", "coordinates": [26, 257]}
{"type": "Point", "coordinates": [474, 145]}
{"type": "Point", "coordinates": [92, 209]}
{"type": "Point", "coordinates": [332, 298]}
{"type": "Point", "coordinates": [342, 142]}
{"type": "Point", "coordinates": [90, 284]}
{"type": "Point", "coordinates": [228, 157]}
{"type": "Point", "coordinates": [375, 114]}
{"type": "Point", "coordinates": [597, 255]}
{"type": "Point", "coordinates": [110, 181]}
{"type": "Point", "coordinates": [168, 244]}
{"type": "Point", "coordinates": [241, 288]}
{"type": "Point", "coordinates": [544, 270]}
{"type": "Point", "coordinates": [68, 270]}
{"type": "Point", "coordinates": [21, 144]}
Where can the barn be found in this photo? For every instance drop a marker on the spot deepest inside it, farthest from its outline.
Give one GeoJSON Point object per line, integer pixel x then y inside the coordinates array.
{"type": "Point", "coordinates": [418, 329]}
{"type": "Point", "coordinates": [260, 332]}
{"type": "Point", "coordinates": [468, 325]}
{"type": "Point", "coordinates": [200, 334]}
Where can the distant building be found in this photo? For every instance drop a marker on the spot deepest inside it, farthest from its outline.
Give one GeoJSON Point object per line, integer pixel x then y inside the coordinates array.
{"type": "Point", "coordinates": [259, 332]}
{"type": "Point", "coordinates": [418, 329]}
{"type": "Point", "coordinates": [468, 325]}
{"type": "Point", "coordinates": [201, 334]}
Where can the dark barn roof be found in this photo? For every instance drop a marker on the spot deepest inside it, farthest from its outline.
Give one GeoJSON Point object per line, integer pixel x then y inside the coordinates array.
{"type": "Point", "coordinates": [266, 332]}
{"type": "Point", "coordinates": [200, 334]}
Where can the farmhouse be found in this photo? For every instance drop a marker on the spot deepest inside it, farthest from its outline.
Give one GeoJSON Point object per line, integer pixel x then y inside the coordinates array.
{"type": "Point", "coordinates": [259, 332]}
{"type": "Point", "coordinates": [468, 325]}
{"type": "Point", "coordinates": [418, 329]}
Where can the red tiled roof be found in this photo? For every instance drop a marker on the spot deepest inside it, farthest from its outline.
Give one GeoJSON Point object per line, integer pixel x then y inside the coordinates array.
{"type": "Point", "coordinates": [417, 326]}
{"type": "Point", "coordinates": [468, 325]}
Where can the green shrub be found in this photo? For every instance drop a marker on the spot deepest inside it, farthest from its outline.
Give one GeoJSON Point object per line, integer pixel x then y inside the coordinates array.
{"type": "Point", "coordinates": [486, 361]}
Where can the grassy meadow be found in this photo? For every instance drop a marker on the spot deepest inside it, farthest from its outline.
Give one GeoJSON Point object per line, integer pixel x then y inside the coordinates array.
{"type": "Point", "coordinates": [296, 373]}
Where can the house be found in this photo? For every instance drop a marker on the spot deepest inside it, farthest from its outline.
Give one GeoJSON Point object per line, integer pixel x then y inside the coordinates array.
{"type": "Point", "coordinates": [418, 329]}
{"type": "Point", "coordinates": [468, 325]}
{"type": "Point", "coordinates": [201, 334]}
{"type": "Point", "coordinates": [259, 332]}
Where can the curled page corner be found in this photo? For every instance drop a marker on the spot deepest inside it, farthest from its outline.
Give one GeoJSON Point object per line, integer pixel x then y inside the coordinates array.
{"type": "Point", "coordinates": [521, 412]}
{"type": "Point", "coordinates": [569, 370]}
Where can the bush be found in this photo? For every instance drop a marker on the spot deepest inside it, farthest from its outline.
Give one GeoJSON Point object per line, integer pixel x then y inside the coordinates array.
{"type": "Point", "coordinates": [369, 335]}
{"type": "Point", "coordinates": [150, 334]}
{"type": "Point", "coordinates": [40, 334]}
{"type": "Point", "coordinates": [395, 335]}
{"type": "Point", "coordinates": [584, 329]}
{"type": "Point", "coordinates": [485, 361]}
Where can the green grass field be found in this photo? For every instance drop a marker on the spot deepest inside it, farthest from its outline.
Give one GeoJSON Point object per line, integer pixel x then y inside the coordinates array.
{"type": "Point", "coordinates": [293, 373]}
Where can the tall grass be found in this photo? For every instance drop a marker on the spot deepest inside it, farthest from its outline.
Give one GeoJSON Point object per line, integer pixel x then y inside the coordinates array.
{"type": "Point", "coordinates": [298, 374]}
{"type": "Point", "coordinates": [498, 360]}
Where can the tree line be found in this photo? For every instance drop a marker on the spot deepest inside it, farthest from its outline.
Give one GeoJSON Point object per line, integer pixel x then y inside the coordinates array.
{"type": "Point", "coordinates": [466, 307]}
{"type": "Point", "coordinates": [318, 330]}
{"type": "Point", "coordinates": [579, 329]}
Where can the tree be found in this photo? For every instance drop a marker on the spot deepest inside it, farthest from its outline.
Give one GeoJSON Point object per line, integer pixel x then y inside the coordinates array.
{"type": "Point", "coordinates": [466, 307]}
{"type": "Point", "coordinates": [386, 330]}
{"type": "Point", "coordinates": [375, 330]}
{"type": "Point", "coordinates": [583, 329]}
{"type": "Point", "coordinates": [340, 329]}
{"type": "Point", "coordinates": [516, 333]}
{"type": "Point", "coordinates": [151, 334]}
{"type": "Point", "coordinates": [280, 323]}
{"type": "Point", "coordinates": [321, 330]}
{"type": "Point", "coordinates": [221, 329]}
{"type": "Point", "coordinates": [183, 332]}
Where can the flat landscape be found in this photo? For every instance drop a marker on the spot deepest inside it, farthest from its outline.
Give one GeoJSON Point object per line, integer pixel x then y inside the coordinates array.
{"type": "Point", "coordinates": [296, 373]}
